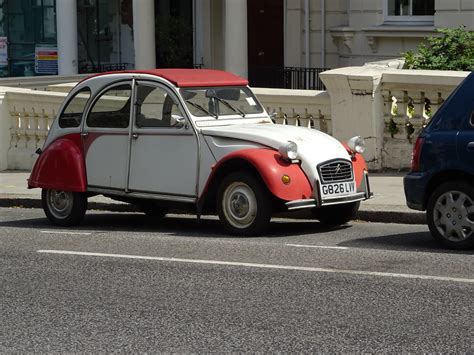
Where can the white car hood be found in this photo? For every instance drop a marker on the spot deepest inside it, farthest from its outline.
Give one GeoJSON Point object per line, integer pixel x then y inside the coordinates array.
{"type": "Point", "coordinates": [314, 146]}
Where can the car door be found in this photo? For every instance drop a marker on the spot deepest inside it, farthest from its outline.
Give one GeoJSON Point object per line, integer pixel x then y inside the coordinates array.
{"type": "Point", "coordinates": [164, 147]}
{"type": "Point", "coordinates": [465, 143]}
{"type": "Point", "coordinates": [106, 138]}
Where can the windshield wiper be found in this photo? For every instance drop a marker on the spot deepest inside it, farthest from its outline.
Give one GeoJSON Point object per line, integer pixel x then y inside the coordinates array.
{"type": "Point", "coordinates": [235, 109]}
{"type": "Point", "coordinates": [199, 107]}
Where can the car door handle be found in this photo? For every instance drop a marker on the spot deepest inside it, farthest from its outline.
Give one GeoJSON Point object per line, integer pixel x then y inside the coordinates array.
{"type": "Point", "coordinates": [470, 146]}
{"type": "Point", "coordinates": [135, 136]}
{"type": "Point", "coordinates": [84, 134]}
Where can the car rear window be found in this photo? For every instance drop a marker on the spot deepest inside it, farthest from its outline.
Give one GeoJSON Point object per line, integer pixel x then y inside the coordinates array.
{"type": "Point", "coordinates": [72, 113]}
{"type": "Point", "coordinates": [112, 109]}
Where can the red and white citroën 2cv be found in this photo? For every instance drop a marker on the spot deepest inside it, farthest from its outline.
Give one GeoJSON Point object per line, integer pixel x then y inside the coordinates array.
{"type": "Point", "coordinates": [194, 139]}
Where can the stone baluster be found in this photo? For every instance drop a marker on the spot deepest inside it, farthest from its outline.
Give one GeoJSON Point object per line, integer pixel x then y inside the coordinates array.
{"type": "Point", "coordinates": [418, 98]}
{"type": "Point", "coordinates": [32, 131]}
{"type": "Point", "coordinates": [294, 119]}
{"type": "Point", "coordinates": [14, 128]}
{"type": "Point", "coordinates": [388, 105]}
{"type": "Point", "coordinates": [437, 100]}
{"type": "Point", "coordinates": [42, 128]}
{"type": "Point", "coordinates": [280, 117]}
{"type": "Point", "coordinates": [397, 124]}
{"type": "Point", "coordinates": [307, 120]}
{"type": "Point", "coordinates": [323, 124]}
{"type": "Point", "coordinates": [23, 136]}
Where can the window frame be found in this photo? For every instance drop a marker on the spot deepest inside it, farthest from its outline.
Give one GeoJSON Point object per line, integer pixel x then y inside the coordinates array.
{"type": "Point", "coordinates": [410, 19]}
{"type": "Point", "coordinates": [169, 92]}
{"type": "Point", "coordinates": [68, 103]}
{"type": "Point", "coordinates": [98, 96]}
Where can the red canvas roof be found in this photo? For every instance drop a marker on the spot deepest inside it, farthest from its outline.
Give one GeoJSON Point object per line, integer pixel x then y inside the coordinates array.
{"type": "Point", "coordinates": [193, 77]}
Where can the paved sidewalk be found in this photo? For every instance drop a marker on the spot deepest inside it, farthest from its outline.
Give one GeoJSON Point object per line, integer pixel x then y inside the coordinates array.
{"type": "Point", "coordinates": [388, 204]}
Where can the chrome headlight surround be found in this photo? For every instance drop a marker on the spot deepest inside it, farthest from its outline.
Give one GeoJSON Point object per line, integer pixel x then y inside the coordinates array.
{"type": "Point", "coordinates": [356, 145]}
{"type": "Point", "coordinates": [289, 151]}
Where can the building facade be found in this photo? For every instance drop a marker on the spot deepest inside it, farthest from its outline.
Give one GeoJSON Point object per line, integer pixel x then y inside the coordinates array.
{"type": "Point", "coordinates": [254, 38]}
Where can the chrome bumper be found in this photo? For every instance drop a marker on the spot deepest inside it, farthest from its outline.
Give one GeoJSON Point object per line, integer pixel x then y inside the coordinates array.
{"type": "Point", "coordinates": [318, 201]}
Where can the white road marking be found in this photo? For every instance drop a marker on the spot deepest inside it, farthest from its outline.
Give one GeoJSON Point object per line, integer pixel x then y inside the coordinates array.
{"type": "Point", "coordinates": [262, 266]}
{"type": "Point", "coordinates": [66, 232]}
{"type": "Point", "coordinates": [315, 246]}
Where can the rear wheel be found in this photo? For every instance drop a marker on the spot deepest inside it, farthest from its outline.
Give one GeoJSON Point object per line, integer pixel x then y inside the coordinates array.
{"type": "Point", "coordinates": [450, 215]}
{"type": "Point", "coordinates": [244, 204]}
{"type": "Point", "coordinates": [64, 208]}
{"type": "Point", "coordinates": [337, 214]}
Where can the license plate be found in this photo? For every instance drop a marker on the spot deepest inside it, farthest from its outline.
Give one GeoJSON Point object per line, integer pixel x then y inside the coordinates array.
{"type": "Point", "coordinates": [338, 189]}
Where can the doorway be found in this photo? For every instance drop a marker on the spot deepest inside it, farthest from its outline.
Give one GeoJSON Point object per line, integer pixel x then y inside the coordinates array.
{"type": "Point", "coordinates": [265, 42]}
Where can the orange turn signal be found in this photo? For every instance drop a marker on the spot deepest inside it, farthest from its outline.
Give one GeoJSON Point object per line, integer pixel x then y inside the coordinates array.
{"type": "Point", "coordinates": [285, 179]}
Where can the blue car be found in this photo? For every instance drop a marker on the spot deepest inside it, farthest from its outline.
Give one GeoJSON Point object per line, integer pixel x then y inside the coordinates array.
{"type": "Point", "coordinates": [441, 180]}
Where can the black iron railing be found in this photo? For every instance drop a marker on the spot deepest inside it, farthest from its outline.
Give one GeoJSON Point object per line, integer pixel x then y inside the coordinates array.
{"type": "Point", "coordinates": [286, 77]}
{"type": "Point", "coordinates": [86, 68]}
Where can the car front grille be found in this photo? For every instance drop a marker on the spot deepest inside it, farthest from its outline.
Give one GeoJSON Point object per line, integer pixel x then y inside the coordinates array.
{"type": "Point", "coordinates": [335, 171]}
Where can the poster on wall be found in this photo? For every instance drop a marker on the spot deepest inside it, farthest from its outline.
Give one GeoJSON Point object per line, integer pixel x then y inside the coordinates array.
{"type": "Point", "coordinates": [46, 60]}
{"type": "Point", "coordinates": [3, 52]}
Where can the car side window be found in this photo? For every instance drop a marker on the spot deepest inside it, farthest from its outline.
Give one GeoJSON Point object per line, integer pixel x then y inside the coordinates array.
{"type": "Point", "coordinates": [72, 113]}
{"type": "Point", "coordinates": [155, 107]}
{"type": "Point", "coordinates": [112, 109]}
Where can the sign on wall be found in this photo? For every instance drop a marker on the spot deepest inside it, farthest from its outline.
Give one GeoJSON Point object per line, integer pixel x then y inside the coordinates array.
{"type": "Point", "coordinates": [46, 60]}
{"type": "Point", "coordinates": [3, 51]}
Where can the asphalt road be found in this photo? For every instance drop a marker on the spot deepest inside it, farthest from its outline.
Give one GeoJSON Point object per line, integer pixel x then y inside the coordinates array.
{"type": "Point", "coordinates": [124, 283]}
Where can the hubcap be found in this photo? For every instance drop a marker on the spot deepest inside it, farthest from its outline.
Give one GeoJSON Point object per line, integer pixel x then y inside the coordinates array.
{"type": "Point", "coordinates": [239, 205]}
{"type": "Point", "coordinates": [453, 216]}
{"type": "Point", "coordinates": [60, 203]}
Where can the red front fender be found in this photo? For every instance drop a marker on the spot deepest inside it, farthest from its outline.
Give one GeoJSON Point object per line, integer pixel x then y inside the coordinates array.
{"type": "Point", "coordinates": [61, 166]}
{"type": "Point", "coordinates": [271, 168]}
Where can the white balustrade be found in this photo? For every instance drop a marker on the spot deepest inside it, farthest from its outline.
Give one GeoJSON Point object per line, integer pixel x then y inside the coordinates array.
{"type": "Point", "coordinates": [411, 98]}
{"type": "Point", "coordinates": [31, 115]}
{"type": "Point", "coordinates": [306, 108]}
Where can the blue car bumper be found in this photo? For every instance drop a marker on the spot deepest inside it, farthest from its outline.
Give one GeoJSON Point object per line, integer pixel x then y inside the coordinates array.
{"type": "Point", "coordinates": [415, 185]}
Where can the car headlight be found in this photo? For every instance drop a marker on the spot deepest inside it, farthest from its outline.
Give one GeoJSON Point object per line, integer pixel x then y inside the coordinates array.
{"type": "Point", "coordinates": [356, 144]}
{"type": "Point", "coordinates": [289, 151]}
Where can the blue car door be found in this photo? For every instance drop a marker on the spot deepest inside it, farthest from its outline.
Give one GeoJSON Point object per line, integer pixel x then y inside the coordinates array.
{"type": "Point", "coordinates": [465, 144]}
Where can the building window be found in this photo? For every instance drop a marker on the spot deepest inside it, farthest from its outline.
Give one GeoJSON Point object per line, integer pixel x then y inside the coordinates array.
{"type": "Point", "coordinates": [410, 11]}
{"type": "Point", "coordinates": [26, 25]}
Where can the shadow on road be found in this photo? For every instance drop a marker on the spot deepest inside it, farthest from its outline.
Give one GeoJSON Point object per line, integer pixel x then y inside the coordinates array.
{"type": "Point", "coordinates": [413, 242]}
{"type": "Point", "coordinates": [209, 227]}
{"type": "Point", "coordinates": [174, 225]}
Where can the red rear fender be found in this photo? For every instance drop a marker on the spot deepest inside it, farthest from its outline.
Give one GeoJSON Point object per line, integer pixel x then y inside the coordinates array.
{"type": "Point", "coordinates": [61, 166]}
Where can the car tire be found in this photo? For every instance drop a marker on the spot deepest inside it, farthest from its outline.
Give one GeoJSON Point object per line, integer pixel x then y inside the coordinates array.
{"type": "Point", "coordinates": [64, 208]}
{"type": "Point", "coordinates": [244, 204]}
{"type": "Point", "coordinates": [337, 214]}
{"type": "Point", "coordinates": [450, 214]}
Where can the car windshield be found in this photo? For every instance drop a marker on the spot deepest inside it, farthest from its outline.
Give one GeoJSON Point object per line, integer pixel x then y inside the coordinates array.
{"type": "Point", "coordinates": [217, 102]}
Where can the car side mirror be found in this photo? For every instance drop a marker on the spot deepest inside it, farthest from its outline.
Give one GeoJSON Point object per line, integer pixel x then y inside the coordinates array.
{"type": "Point", "coordinates": [177, 121]}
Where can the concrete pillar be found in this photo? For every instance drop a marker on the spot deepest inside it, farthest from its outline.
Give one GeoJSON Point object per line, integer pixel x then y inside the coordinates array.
{"type": "Point", "coordinates": [144, 34]}
{"type": "Point", "coordinates": [235, 37]}
{"type": "Point", "coordinates": [5, 135]}
{"type": "Point", "coordinates": [66, 22]}
{"type": "Point", "coordinates": [357, 107]}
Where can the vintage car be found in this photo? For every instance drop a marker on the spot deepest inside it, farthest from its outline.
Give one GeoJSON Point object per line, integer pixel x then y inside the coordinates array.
{"type": "Point", "coordinates": [192, 139]}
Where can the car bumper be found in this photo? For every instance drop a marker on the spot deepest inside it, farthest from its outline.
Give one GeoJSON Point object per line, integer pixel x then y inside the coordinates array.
{"type": "Point", "coordinates": [319, 202]}
{"type": "Point", "coordinates": [415, 185]}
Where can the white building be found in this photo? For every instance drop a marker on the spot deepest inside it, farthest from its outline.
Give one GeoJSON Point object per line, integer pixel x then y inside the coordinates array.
{"type": "Point", "coordinates": [254, 38]}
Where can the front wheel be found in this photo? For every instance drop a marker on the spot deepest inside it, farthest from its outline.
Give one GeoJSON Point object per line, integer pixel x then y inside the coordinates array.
{"type": "Point", "coordinates": [450, 215]}
{"type": "Point", "coordinates": [64, 208]}
{"type": "Point", "coordinates": [337, 214]}
{"type": "Point", "coordinates": [244, 204]}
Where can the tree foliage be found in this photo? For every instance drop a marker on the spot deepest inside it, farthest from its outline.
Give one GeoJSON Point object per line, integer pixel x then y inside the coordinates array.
{"type": "Point", "coordinates": [453, 50]}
